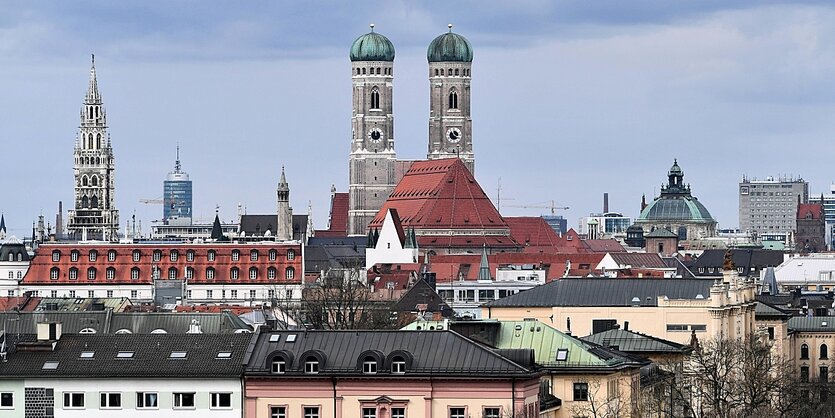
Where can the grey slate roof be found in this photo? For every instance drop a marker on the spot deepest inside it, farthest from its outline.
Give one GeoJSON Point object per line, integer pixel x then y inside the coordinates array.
{"type": "Point", "coordinates": [150, 360]}
{"type": "Point", "coordinates": [605, 292]}
{"type": "Point", "coordinates": [107, 322]}
{"type": "Point", "coordinates": [257, 225]}
{"type": "Point", "coordinates": [745, 258]}
{"type": "Point", "coordinates": [437, 353]}
{"type": "Point", "coordinates": [812, 324]}
{"type": "Point", "coordinates": [764, 310]}
{"type": "Point", "coordinates": [635, 342]}
{"type": "Point", "coordinates": [422, 293]}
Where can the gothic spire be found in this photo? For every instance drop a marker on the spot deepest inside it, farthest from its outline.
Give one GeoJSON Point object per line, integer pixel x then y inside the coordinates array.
{"type": "Point", "coordinates": [93, 96]}
{"type": "Point", "coordinates": [282, 183]}
{"type": "Point", "coordinates": [484, 267]}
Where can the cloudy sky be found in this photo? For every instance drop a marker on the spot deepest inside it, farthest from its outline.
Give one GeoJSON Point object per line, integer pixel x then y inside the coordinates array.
{"type": "Point", "coordinates": [570, 99]}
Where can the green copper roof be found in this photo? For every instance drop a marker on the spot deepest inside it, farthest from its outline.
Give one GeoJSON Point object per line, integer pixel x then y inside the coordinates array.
{"type": "Point", "coordinates": [675, 208]}
{"type": "Point", "coordinates": [372, 47]}
{"type": "Point", "coordinates": [450, 47]}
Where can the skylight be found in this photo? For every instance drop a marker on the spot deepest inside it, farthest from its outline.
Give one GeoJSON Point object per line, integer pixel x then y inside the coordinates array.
{"type": "Point", "coordinates": [224, 354]}
{"type": "Point", "coordinates": [87, 354]}
{"type": "Point", "coordinates": [274, 338]}
{"type": "Point", "coordinates": [124, 354]}
{"type": "Point", "coordinates": [177, 354]}
{"type": "Point", "coordinates": [50, 365]}
{"type": "Point", "coordinates": [291, 338]}
{"type": "Point", "coordinates": [562, 354]}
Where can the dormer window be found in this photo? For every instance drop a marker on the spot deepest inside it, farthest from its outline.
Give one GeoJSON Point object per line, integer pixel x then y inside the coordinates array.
{"type": "Point", "coordinates": [398, 365]}
{"type": "Point", "coordinates": [369, 365]}
{"type": "Point", "coordinates": [278, 366]}
{"type": "Point", "coordinates": [311, 365]}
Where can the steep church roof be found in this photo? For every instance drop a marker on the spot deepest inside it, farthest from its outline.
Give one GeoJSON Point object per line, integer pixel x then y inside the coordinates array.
{"type": "Point", "coordinates": [441, 194]}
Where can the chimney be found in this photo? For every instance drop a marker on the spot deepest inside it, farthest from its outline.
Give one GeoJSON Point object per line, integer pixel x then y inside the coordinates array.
{"type": "Point", "coordinates": [49, 331]}
{"type": "Point", "coordinates": [626, 325]}
{"type": "Point", "coordinates": [59, 220]}
{"type": "Point", "coordinates": [605, 203]}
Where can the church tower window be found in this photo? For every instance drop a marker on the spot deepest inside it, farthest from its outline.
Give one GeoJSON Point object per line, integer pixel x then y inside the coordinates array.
{"type": "Point", "coordinates": [375, 98]}
{"type": "Point", "coordinates": [453, 99]}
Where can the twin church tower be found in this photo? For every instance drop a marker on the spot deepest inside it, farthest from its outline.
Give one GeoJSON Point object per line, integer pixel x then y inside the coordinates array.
{"type": "Point", "coordinates": [374, 169]}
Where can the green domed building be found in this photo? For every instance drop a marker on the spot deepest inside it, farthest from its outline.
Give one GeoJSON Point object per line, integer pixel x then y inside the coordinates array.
{"type": "Point", "coordinates": [677, 210]}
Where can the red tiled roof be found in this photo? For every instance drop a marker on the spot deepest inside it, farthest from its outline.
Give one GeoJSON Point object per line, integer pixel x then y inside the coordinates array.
{"type": "Point", "coordinates": [338, 222]}
{"type": "Point", "coordinates": [441, 194]}
{"type": "Point", "coordinates": [813, 209]}
{"type": "Point", "coordinates": [604, 245]}
{"type": "Point", "coordinates": [448, 267]}
{"type": "Point", "coordinates": [533, 231]}
{"type": "Point", "coordinates": [466, 241]}
{"type": "Point", "coordinates": [21, 303]}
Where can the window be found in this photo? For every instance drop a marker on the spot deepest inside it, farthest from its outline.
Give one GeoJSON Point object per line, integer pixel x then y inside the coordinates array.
{"type": "Point", "coordinates": [804, 373]}
{"type": "Point", "coordinates": [804, 352]}
{"type": "Point", "coordinates": [270, 294]}
{"type": "Point", "coordinates": [91, 293]}
{"type": "Point", "coordinates": [111, 400]}
{"type": "Point", "coordinates": [74, 255]}
{"type": "Point", "coordinates": [289, 273]}
{"type": "Point", "coordinates": [172, 273]}
{"type": "Point", "coordinates": [398, 365]}
{"type": "Point", "coordinates": [189, 273]}
{"type": "Point", "coordinates": [210, 273]}
{"type": "Point", "coordinates": [72, 293]}
{"type": "Point", "coordinates": [236, 255]}
{"type": "Point", "coordinates": [273, 254]}
{"type": "Point", "coordinates": [581, 391]}
{"type": "Point", "coordinates": [253, 273]}
{"type": "Point", "coordinates": [278, 366]}
{"type": "Point", "coordinates": [134, 294]}
{"type": "Point", "coordinates": [56, 255]}
{"type": "Point", "coordinates": [375, 98]}
{"type": "Point", "coordinates": [73, 273]}
{"type": "Point", "coordinates": [311, 412]}
{"type": "Point", "coordinates": [111, 256]}
{"type": "Point", "coordinates": [174, 255]}
{"type": "Point", "coordinates": [110, 293]}
{"type": "Point", "coordinates": [369, 412]}
{"type": "Point", "coordinates": [398, 412]}
{"type": "Point", "coordinates": [311, 365]}
{"type": "Point", "coordinates": [184, 400]}
{"type": "Point", "coordinates": [211, 255]}
{"type": "Point", "coordinates": [147, 400]}
{"type": "Point", "coordinates": [157, 255]}
{"type": "Point", "coordinates": [234, 272]}
{"type": "Point", "coordinates": [111, 273]}
{"type": "Point", "coordinates": [457, 412]}
{"type": "Point", "coordinates": [134, 273]}
{"type": "Point", "coordinates": [271, 273]}
{"type": "Point", "coordinates": [676, 327]}
{"type": "Point", "coordinates": [253, 255]}
{"type": "Point", "coordinates": [93, 255]}
{"type": "Point", "coordinates": [562, 354]}
{"type": "Point", "coordinates": [221, 400]}
{"type": "Point", "coordinates": [91, 273]}
{"type": "Point", "coordinates": [491, 412]}
{"type": "Point", "coordinates": [252, 294]}
{"type": "Point", "coordinates": [209, 294]}
{"type": "Point", "coordinates": [53, 273]}
{"type": "Point", "coordinates": [53, 293]}
{"type": "Point", "coordinates": [824, 352]}
{"type": "Point", "coordinates": [136, 255]}
{"type": "Point", "coordinates": [369, 366]}
{"type": "Point", "coordinates": [278, 412]}
{"type": "Point", "coordinates": [73, 400]}
{"type": "Point", "coordinates": [234, 294]}
{"type": "Point", "coordinates": [291, 254]}
{"type": "Point", "coordinates": [770, 333]}
{"type": "Point", "coordinates": [824, 374]}
{"type": "Point", "coordinates": [6, 400]}
{"type": "Point", "coordinates": [453, 99]}
{"type": "Point", "coordinates": [190, 255]}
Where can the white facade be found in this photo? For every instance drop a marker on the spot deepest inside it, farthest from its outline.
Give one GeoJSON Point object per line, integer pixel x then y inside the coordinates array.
{"type": "Point", "coordinates": [390, 247]}
{"type": "Point", "coordinates": [465, 297]}
{"type": "Point", "coordinates": [814, 272]}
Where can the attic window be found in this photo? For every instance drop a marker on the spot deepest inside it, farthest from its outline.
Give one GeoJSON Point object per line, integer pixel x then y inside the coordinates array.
{"type": "Point", "coordinates": [50, 365]}
{"type": "Point", "coordinates": [290, 338]}
{"type": "Point", "coordinates": [178, 354]}
{"type": "Point", "coordinates": [87, 354]}
{"type": "Point", "coordinates": [124, 354]}
{"type": "Point", "coordinates": [274, 338]}
{"type": "Point", "coordinates": [562, 354]}
{"type": "Point", "coordinates": [223, 354]}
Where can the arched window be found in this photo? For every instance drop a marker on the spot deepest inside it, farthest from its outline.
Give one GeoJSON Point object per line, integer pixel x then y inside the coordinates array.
{"type": "Point", "coordinates": [271, 273]}
{"type": "Point", "coordinates": [273, 255]}
{"type": "Point", "coordinates": [236, 255]}
{"type": "Point", "coordinates": [134, 273]}
{"type": "Point", "coordinates": [278, 365]}
{"type": "Point", "coordinates": [136, 255]}
{"type": "Point", "coordinates": [375, 98]}
{"type": "Point", "coordinates": [289, 273]}
{"type": "Point", "coordinates": [358, 71]}
{"type": "Point", "coordinates": [90, 112]}
{"type": "Point", "coordinates": [363, 71]}
{"type": "Point", "coordinates": [211, 255]}
{"type": "Point", "coordinates": [98, 139]}
{"type": "Point", "coordinates": [453, 99]}
{"type": "Point", "coordinates": [378, 70]}
{"type": "Point", "coordinates": [291, 254]}
{"type": "Point", "coordinates": [824, 352]}
{"type": "Point", "coordinates": [253, 273]}
{"type": "Point", "coordinates": [311, 365]}
{"type": "Point", "coordinates": [173, 255]}
{"type": "Point", "coordinates": [210, 273]}
{"type": "Point", "coordinates": [73, 273]}
{"type": "Point", "coordinates": [53, 273]}
{"type": "Point", "coordinates": [94, 181]}
{"type": "Point", "coordinates": [442, 71]}
{"type": "Point", "coordinates": [804, 352]}
{"type": "Point", "coordinates": [93, 255]}
{"type": "Point", "coordinates": [369, 365]}
{"type": "Point", "coordinates": [84, 180]}
{"type": "Point", "coordinates": [456, 71]}
{"type": "Point", "coordinates": [56, 255]}
{"type": "Point", "coordinates": [398, 365]}
{"type": "Point", "coordinates": [190, 255]}
{"type": "Point", "coordinates": [91, 273]}
{"type": "Point", "coordinates": [74, 255]}
{"type": "Point", "coordinates": [157, 255]}
{"type": "Point", "coordinates": [234, 272]}
{"type": "Point", "coordinates": [189, 273]}
{"type": "Point", "coordinates": [111, 273]}
{"type": "Point", "coordinates": [90, 140]}
{"type": "Point", "coordinates": [172, 273]}
{"type": "Point", "coordinates": [87, 331]}
{"type": "Point", "coordinates": [94, 202]}
{"type": "Point", "coordinates": [436, 72]}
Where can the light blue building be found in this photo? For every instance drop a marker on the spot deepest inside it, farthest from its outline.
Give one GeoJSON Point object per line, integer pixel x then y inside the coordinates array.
{"type": "Point", "coordinates": [176, 196]}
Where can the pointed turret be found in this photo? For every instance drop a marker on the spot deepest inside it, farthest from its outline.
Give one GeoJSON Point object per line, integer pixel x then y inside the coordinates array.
{"type": "Point", "coordinates": [2, 226]}
{"type": "Point", "coordinates": [484, 267]}
{"type": "Point", "coordinates": [93, 96]}
{"type": "Point", "coordinates": [284, 230]}
{"type": "Point", "coordinates": [217, 231]}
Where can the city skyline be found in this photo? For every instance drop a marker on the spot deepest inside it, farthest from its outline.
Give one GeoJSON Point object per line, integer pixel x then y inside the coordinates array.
{"type": "Point", "coordinates": [737, 84]}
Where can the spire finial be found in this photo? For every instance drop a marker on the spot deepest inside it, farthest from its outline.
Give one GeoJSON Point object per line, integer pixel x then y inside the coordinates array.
{"type": "Point", "coordinates": [450, 27]}
{"type": "Point", "coordinates": [372, 27]}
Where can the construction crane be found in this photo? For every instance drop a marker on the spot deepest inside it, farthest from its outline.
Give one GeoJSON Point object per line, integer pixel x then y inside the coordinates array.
{"type": "Point", "coordinates": [542, 205]}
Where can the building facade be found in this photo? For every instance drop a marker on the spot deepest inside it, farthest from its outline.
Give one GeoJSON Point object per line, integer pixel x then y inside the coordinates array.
{"type": "Point", "coordinates": [828, 202]}
{"type": "Point", "coordinates": [95, 215]}
{"type": "Point", "coordinates": [768, 207]}
{"type": "Point", "coordinates": [811, 228]}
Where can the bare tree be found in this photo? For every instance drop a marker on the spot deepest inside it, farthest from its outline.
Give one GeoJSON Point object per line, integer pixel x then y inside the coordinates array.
{"type": "Point", "coordinates": [610, 404]}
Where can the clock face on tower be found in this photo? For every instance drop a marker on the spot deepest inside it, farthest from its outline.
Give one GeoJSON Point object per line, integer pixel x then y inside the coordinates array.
{"type": "Point", "coordinates": [453, 134]}
{"type": "Point", "coordinates": [375, 134]}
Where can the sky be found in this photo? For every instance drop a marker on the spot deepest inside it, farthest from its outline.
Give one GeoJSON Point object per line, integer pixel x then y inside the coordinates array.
{"type": "Point", "coordinates": [569, 99]}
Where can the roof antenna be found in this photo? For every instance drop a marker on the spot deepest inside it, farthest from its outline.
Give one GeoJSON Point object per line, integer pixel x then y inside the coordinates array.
{"type": "Point", "coordinates": [372, 27]}
{"type": "Point", "coordinates": [450, 27]}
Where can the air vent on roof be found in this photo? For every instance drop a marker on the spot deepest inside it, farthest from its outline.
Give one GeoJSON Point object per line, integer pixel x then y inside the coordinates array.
{"type": "Point", "coordinates": [124, 354]}
{"type": "Point", "coordinates": [87, 354]}
{"type": "Point", "coordinates": [274, 338]}
{"type": "Point", "coordinates": [518, 327]}
{"type": "Point", "coordinates": [177, 354]}
{"type": "Point", "coordinates": [291, 338]}
{"type": "Point", "coordinates": [50, 365]}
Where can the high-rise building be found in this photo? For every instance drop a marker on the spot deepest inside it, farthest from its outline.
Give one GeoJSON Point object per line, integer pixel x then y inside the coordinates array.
{"type": "Point", "coordinates": [95, 215]}
{"type": "Point", "coordinates": [450, 59]}
{"type": "Point", "coordinates": [768, 207]}
{"type": "Point", "coordinates": [176, 196]}
{"type": "Point", "coordinates": [371, 174]}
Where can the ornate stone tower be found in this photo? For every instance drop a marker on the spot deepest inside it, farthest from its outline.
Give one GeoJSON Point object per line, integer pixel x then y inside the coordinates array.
{"type": "Point", "coordinates": [284, 225]}
{"type": "Point", "coordinates": [450, 59]}
{"type": "Point", "coordinates": [95, 215]}
{"type": "Point", "coordinates": [372, 160]}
